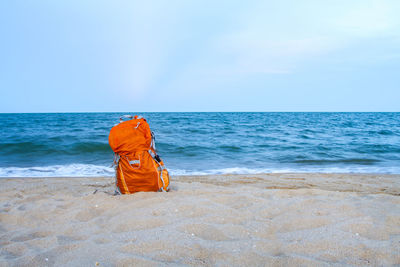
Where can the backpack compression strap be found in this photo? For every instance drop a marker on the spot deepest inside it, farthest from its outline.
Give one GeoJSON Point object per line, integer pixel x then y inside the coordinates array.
{"type": "Point", "coordinates": [116, 164]}
{"type": "Point", "coordinates": [157, 159]}
{"type": "Point", "coordinates": [123, 117]}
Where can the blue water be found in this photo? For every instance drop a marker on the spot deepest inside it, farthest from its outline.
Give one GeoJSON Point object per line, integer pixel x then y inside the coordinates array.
{"type": "Point", "coordinates": [76, 144]}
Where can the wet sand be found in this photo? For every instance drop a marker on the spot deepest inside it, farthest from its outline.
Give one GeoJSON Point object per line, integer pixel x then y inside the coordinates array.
{"type": "Point", "coordinates": [222, 220]}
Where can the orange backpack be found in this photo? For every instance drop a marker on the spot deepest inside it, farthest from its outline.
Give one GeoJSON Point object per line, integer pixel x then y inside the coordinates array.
{"type": "Point", "coordinates": [137, 165]}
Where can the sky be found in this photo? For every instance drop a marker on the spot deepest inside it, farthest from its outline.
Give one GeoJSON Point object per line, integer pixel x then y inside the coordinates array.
{"type": "Point", "coordinates": [163, 56]}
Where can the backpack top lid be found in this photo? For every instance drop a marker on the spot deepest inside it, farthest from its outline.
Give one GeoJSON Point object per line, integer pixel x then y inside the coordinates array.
{"type": "Point", "coordinates": [130, 136]}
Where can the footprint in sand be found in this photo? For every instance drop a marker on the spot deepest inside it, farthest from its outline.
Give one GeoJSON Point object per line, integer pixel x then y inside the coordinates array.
{"type": "Point", "coordinates": [204, 231]}
{"type": "Point", "coordinates": [13, 251]}
{"type": "Point", "coordinates": [65, 240]}
{"type": "Point", "coordinates": [88, 214]}
{"type": "Point", "coordinates": [30, 236]}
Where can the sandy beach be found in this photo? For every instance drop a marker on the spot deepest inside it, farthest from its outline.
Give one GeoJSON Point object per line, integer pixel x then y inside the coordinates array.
{"type": "Point", "coordinates": [219, 220]}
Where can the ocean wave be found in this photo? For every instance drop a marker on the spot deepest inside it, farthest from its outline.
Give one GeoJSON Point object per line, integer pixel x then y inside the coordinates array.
{"type": "Point", "coordinates": [243, 170]}
{"type": "Point", "coordinates": [54, 146]}
{"type": "Point", "coordinates": [346, 161]}
{"type": "Point", "coordinates": [205, 143]}
{"type": "Point", "coordinates": [90, 170]}
{"type": "Point", "coordinates": [71, 170]}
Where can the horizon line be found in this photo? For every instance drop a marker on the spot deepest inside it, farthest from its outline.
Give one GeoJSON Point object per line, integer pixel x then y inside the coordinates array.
{"type": "Point", "coordinates": [78, 112]}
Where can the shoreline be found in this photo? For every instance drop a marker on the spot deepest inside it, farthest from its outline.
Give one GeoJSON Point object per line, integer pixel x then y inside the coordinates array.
{"type": "Point", "coordinates": [256, 219]}
{"type": "Point", "coordinates": [369, 182]}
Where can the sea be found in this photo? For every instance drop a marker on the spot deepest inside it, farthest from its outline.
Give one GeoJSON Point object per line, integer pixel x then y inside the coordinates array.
{"type": "Point", "coordinates": [76, 144]}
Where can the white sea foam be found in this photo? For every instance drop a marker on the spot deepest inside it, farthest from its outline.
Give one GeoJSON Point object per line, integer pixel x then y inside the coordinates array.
{"type": "Point", "coordinates": [72, 170]}
{"type": "Point", "coordinates": [90, 170]}
{"type": "Point", "coordinates": [241, 170]}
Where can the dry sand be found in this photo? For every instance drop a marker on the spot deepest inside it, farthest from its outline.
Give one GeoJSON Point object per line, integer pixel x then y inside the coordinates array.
{"type": "Point", "coordinates": [226, 220]}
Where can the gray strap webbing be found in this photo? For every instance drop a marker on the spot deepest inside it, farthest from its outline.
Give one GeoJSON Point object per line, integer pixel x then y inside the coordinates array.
{"type": "Point", "coordinates": [153, 141]}
{"type": "Point", "coordinates": [134, 162]}
{"type": "Point", "coordinates": [116, 162]}
{"type": "Point", "coordinates": [121, 119]}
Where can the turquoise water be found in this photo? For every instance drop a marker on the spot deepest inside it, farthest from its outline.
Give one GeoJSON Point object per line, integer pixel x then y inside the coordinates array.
{"type": "Point", "coordinates": [76, 144]}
